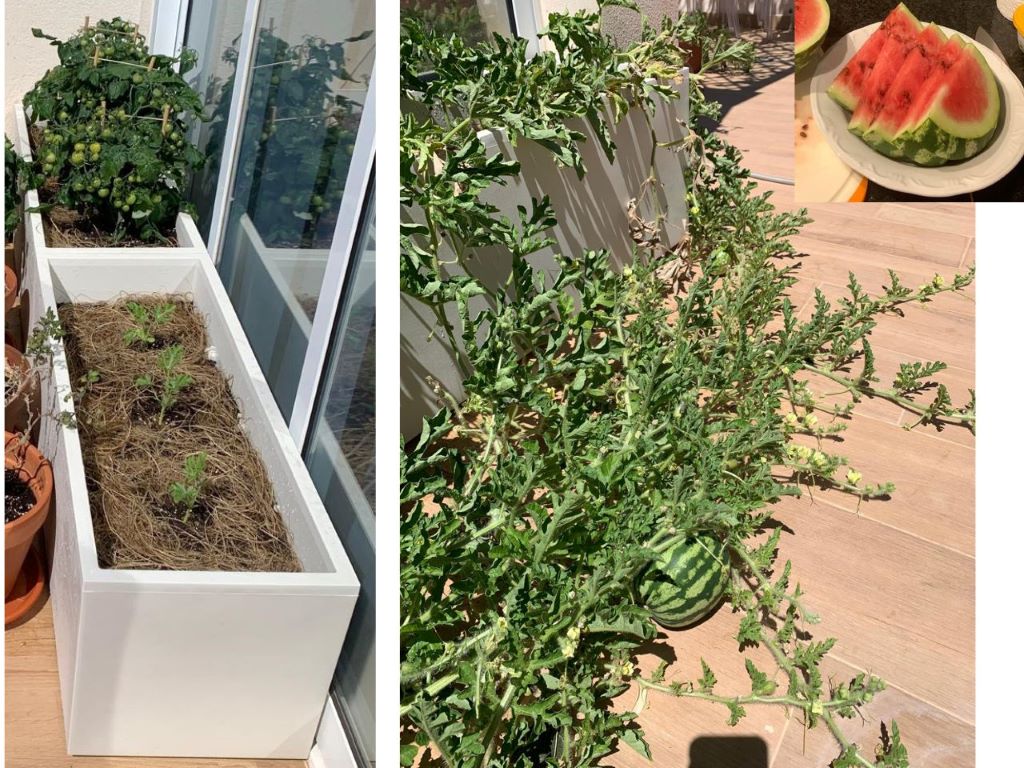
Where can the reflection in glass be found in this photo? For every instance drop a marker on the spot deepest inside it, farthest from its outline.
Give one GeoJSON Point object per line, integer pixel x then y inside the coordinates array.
{"type": "Point", "coordinates": [472, 21]}
{"type": "Point", "coordinates": [308, 81]}
{"type": "Point", "coordinates": [340, 456]}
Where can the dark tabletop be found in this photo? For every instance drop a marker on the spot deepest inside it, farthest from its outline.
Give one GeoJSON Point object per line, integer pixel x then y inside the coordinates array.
{"type": "Point", "coordinates": [965, 16]}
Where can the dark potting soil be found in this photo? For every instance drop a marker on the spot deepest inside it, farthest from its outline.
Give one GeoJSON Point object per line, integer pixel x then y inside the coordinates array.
{"type": "Point", "coordinates": [18, 497]}
{"type": "Point", "coordinates": [133, 456]}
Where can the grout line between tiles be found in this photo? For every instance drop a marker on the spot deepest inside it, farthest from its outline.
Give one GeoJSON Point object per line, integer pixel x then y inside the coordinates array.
{"type": "Point", "coordinates": [967, 249]}
{"type": "Point", "coordinates": [912, 534]}
{"type": "Point", "coordinates": [904, 691]}
{"type": "Point", "coordinates": [782, 738]}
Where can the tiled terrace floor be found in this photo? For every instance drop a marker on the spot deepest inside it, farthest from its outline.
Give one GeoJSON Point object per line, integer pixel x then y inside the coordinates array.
{"type": "Point", "coordinates": [893, 580]}
{"type": "Point", "coordinates": [35, 726]}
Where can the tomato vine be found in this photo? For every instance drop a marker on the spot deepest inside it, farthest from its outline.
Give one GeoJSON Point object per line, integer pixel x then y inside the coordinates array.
{"type": "Point", "coordinates": [609, 412]}
{"type": "Point", "coordinates": [114, 120]}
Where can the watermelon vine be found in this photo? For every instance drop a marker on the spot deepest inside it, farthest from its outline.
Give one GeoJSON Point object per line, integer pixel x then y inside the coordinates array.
{"type": "Point", "coordinates": [610, 414]}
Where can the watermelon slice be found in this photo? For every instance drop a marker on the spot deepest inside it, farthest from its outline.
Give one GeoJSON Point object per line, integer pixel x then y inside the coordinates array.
{"type": "Point", "coordinates": [959, 120]}
{"type": "Point", "coordinates": [846, 89]}
{"type": "Point", "coordinates": [911, 96]}
{"type": "Point", "coordinates": [810, 24]}
{"type": "Point", "coordinates": [917, 96]}
{"type": "Point", "coordinates": [915, 70]}
{"type": "Point", "coordinates": [891, 59]}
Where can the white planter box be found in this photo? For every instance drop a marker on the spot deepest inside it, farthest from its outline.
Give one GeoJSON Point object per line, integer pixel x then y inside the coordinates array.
{"type": "Point", "coordinates": [196, 664]}
{"type": "Point", "coordinates": [189, 239]}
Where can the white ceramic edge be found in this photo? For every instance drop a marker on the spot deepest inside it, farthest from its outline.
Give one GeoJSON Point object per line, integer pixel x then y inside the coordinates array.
{"type": "Point", "coordinates": [188, 235]}
{"type": "Point", "coordinates": [342, 580]}
{"type": "Point", "coordinates": [906, 177]}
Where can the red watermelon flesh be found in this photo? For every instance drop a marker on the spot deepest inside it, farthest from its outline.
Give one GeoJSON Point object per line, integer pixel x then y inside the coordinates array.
{"type": "Point", "coordinates": [848, 86]}
{"type": "Point", "coordinates": [906, 87]}
{"type": "Point", "coordinates": [924, 93]}
{"type": "Point", "coordinates": [894, 54]}
{"type": "Point", "coordinates": [963, 100]}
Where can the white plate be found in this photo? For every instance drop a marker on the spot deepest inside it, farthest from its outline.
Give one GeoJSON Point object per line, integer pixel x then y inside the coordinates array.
{"type": "Point", "coordinates": [998, 159]}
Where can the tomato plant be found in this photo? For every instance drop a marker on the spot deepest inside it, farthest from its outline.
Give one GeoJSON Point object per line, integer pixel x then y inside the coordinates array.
{"type": "Point", "coordinates": [298, 140]}
{"type": "Point", "coordinates": [610, 414]}
{"type": "Point", "coordinates": [114, 119]}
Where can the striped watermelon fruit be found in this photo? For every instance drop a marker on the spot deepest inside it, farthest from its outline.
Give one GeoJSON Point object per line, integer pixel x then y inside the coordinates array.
{"type": "Point", "coordinates": [686, 582]}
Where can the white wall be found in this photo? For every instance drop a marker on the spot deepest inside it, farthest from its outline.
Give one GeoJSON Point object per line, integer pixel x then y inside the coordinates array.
{"type": "Point", "coordinates": [27, 58]}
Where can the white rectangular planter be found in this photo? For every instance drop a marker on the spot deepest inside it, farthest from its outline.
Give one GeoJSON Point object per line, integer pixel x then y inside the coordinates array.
{"type": "Point", "coordinates": [189, 239]}
{"type": "Point", "coordinates": [198, 664]}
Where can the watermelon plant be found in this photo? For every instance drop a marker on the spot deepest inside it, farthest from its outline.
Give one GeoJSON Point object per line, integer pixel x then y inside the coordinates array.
{"type": "Point", "coordinates": [111, 122]}
{"type": "Point", "coordinates": [624, 429]}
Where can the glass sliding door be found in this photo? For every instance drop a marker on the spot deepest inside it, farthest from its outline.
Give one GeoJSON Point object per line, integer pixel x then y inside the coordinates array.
{"type": "Point", "coordinates": [307, 66]}
{"type": "Point", "coordinates": [340, 455]}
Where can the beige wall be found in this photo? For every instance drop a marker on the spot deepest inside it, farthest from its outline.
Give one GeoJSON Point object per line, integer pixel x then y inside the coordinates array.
{"type": "Point", "coordinates": [27, 58]}
{"type": "Point", "coordinates": [621, 23]}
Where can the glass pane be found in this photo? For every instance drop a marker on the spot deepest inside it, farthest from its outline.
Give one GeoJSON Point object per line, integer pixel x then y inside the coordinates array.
{"type": "Point", "coordinates": [340, 457]}
{"type": "Point", "coordinates": [472, 20]}
{"type": "Point", "coordinates": [308, 82]}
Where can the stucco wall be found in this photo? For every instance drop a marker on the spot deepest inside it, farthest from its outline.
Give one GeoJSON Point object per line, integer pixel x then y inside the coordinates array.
{"type": "Point", "coordinates": [27, 58]}
{"type": "Point", "coordinates": [621, 23]}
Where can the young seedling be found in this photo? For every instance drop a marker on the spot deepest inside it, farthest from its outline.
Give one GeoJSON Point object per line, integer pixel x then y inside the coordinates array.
{"type": "Point", "coordinates": [146, 321]}
{"type": "Point", "coordinates": [173, 382]}
{"type": "Point", "coordinates": [185, 495]}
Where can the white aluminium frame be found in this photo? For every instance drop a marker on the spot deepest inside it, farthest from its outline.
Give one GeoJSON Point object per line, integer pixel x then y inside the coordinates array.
{"type": "Point", "coordinates": [167, 35]}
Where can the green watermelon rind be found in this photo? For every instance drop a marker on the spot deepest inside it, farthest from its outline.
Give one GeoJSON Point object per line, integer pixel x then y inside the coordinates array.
{"type": "Point", "coordinates": [686, 583]}
{"type": "Point", "coordinates": [939, 140]}
{"type": "Point", "coordinates": [807, 51]}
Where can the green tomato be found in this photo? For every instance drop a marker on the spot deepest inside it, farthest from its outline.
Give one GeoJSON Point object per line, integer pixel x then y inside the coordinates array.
{"type": "Point", "coordinates": [275, 80]}
{"type": "Point", "coordinates": [126, 207]}
{"type": "Point", "coordinates": [47, 167]}
{"type": "Point", "coordinates": [103, 192]}
{"type": "Point", "coordinates": [157, 197]}
{"type": "Point", "coordinates": [78, 186]}
{"type": "Point", "coordinates": [79, 146]}
{"type": "Point", "coordinates": [136, 78]}
{"type": "Point", "coordinates": [77, 158]}
{"type": "Point", "coordinates": [107, 133]}
{"type": "Point", "coordinates": [63, 115]}
{"type": "Point", "coordinates": [316, 200]}
{"type": "Point", "coordinates": [51, 158]}
{"type": "Point", "coordinates": [95, 147]}
{"type": "Point", "coordinates": [130, 200]}
{"type": "Point", "coordinates": [158, 92]}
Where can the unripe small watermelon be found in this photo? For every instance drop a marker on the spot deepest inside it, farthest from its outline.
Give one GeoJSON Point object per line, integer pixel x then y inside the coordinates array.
{"type": "Point", "coordinates": [686, 582]}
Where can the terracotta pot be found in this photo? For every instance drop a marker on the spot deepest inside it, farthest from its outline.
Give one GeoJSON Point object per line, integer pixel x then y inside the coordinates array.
{"type": "Point", "coordinates": [10, 288]}
{"type": "Point", "coordinates": [24, 402]}
{"type": "Point", "coordinates": [35, 470]}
